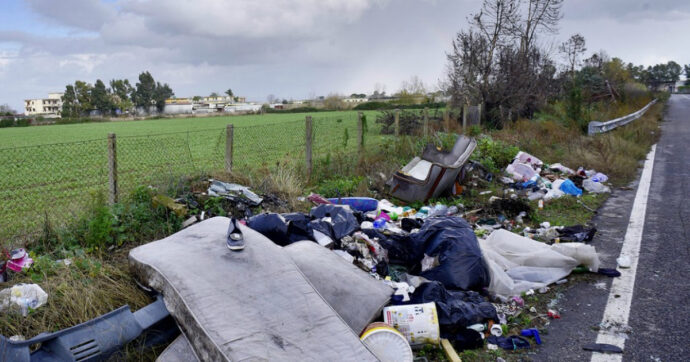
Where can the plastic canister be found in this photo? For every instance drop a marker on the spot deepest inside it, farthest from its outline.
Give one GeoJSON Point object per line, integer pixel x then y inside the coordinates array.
{"type": "Point", "coordinates": [386, 343]}
{"type": "Point", "coordinates": [417, 322]}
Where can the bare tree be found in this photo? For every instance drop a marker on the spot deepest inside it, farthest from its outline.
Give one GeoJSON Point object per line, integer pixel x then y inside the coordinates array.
{"type": "Point", "coordinates": [572, 49]}
{"type": "Point", "coordinates": [542, 16]}
{"type": "Point", "coordinates": [271, 98]}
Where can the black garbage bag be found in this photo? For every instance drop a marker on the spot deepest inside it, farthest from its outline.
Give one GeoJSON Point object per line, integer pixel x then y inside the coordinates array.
{"type": "Point", "coordinates": [465, 339]}
{"type": "Point", "coordinates": [456, 309]}
{"type": "Point", "coordinates": [342, 218]}
{"type": "Point", "coordinates": [452, 240]}
{"type": "Point", "coordinates": [399, 247]}
{"type": "Point", "coordinates": [272, 226]}
{"type": "Point", "coordinates": [577, 233]}
{"type": "Point", "coordinates": [408, 224]}
{"type": "Point", "coordinates": [298, 227]}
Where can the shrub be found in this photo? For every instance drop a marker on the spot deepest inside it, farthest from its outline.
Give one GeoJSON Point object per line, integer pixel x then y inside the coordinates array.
{"type": "Point", "coordinates": [6, 122]}
{"type": "Point", "coordinates": [339, 186]}
{"type": "Point", "coordinates": [494, 154]}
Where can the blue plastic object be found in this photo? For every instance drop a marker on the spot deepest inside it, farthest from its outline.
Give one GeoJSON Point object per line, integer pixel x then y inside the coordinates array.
{"type": "Point", "coordinates": [94, 340]}
{"type": "Point", "coordinates": [531, 332]}
{"type": "Point", "coordinates": [569, 188]}
{"type": "Point", "coordinates": [362, 204]}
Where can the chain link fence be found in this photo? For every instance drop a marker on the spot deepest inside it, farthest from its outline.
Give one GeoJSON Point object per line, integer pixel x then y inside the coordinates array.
{"type": "Point", "coordinates": [56, 181]}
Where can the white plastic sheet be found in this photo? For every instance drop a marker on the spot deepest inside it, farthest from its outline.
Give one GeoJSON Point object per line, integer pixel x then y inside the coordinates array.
{"type": "Point", "coordinates": [517, 264]}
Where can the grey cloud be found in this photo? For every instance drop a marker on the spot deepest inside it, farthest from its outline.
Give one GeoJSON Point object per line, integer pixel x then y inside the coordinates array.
{"type": "Point", "coordinates": [80, 14]}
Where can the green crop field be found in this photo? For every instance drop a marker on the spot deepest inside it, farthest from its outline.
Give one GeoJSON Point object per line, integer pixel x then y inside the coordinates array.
{"type": "Point", "coordinates": [53, 170]}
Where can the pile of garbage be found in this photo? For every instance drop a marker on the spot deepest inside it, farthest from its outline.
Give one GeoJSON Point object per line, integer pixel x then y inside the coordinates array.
{"type": "Point", "coordinates": [433, 255]}
{"type": "Point", "coordinates": [531, 178]}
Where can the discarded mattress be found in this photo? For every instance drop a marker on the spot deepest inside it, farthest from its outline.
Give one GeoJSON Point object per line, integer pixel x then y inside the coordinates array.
{"type": "Point", "coordinates": [249, 305]}
{"type": "Point", "coordinates": [517, 264]}
{"type": "Point", "coordinates": [334, 278]}
{"type": "Point", "coordinates": [354, 295]}
{"type": "Point", "coordinates": [430, 175]}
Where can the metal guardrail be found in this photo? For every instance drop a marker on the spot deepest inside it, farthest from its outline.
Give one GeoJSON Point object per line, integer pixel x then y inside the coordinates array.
{"type": "Point", "coordinates": [601, 127]}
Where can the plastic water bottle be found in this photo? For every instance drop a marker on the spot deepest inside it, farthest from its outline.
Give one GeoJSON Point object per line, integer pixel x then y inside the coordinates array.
{"type": "Point", "coordinates": [452, 210]}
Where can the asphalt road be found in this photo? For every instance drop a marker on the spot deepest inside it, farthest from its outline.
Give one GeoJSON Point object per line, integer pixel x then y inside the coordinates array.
{"type": "Point", "coordinates": [659, 321]}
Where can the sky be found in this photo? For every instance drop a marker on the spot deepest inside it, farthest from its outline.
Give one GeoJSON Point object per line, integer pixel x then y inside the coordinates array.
{"type": "Point", "coordinates": [291, 49]}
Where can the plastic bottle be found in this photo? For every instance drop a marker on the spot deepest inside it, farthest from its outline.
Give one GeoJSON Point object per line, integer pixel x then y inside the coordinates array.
{"type": "Point", "coordinates": [379, 223]}
{"type": "Point", "coordinates": [452, 210]}
{"type": "Point", "coordinates": [438, 210]}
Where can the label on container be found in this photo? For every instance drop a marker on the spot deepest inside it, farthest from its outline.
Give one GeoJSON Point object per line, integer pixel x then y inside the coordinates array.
{"type": "Point", "coordinates": [417, 322]}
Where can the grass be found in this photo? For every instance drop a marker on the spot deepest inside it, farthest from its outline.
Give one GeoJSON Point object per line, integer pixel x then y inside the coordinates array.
{"type": "Point", "coordinates": [49, 171]}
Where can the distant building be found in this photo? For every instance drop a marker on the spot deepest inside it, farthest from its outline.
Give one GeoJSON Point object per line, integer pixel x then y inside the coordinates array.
{"type": "Point", "coordinates": [355, 100]}
{"type": "Point", "coordinates": [47, 107]}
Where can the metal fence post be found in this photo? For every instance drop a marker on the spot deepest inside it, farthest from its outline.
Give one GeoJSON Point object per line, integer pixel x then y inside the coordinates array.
{"type": "Point", "coordinates": [112, 169]}
{"type": "Point", "coordinates": [308, 126]}
{"type": "Point", "coordinates": [360, 133]}
{"type": "Point", "coordinates": [396, 118]}
{"type": "Point", "coordinates": [229, 131]}
{"type": "Point", "coordinates": [426, 122]}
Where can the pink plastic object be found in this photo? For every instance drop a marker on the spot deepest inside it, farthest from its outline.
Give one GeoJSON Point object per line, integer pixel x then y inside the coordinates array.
{"type": "Point", "coordinates": [318, 199]}
{"type": "Point", "coordinates": [383, 215]}
{"type": "Point", "coordinates": [19, 260]}
{"type": "Point", "coordinates": [518, 300]}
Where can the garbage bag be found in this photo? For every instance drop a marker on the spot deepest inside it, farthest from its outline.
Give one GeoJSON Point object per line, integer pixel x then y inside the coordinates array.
{"type": "Point", "coordinates": [578, 233]}
{"type": "Point", "coordinates": [595, 187]}
{"type": "Point", "coordinates": [453, 241]}
{"type": "Point", "coordinates": [19, 298]}
{"type": "Point", "coordinates": [517, 264]}
{"type": "Point", "coordinates": [456, 309]}
{"type": "Point", "coordinates": [298, 227]}
{"type": "Point", "coordinates": [569, 188]}
{"type": "Point", "coordinates": [272, 226]}
{"type": "Point", "coordinates": [341, 217]}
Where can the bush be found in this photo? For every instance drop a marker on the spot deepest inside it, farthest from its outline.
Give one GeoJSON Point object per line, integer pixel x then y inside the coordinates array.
{"type": "Point", "coordinates": [376, 106]}
{"type": "Point", "coordinates": [23, 122]}
{"type": "Point", "coordinates": [494, 154]}
{"type": "Point", "coordinates": [295, 110]}
{"type": "Point", "coordinates": [6, 122]}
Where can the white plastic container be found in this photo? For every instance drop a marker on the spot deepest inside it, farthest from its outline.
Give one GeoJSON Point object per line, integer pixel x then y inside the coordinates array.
{"type": "Point", "coordinates": [386, 343]}
{"type": "Point", "coordinates": [417, 322]}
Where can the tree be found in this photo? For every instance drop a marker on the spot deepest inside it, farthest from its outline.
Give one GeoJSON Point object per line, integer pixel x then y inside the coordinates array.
{"type": "Point", "coordinates": [162, 93]}
{"type": "Point", "coordinates": [84, 102]}
{"type": "Point", "coordinates": [271, 98]}
{"type": "Point", "coordinates": [572, 49]}
{"type": "Point", "coordinates": [6, 110]}
{"type": "Point", "coordinates": [69, 103]}
{"type": "Point", "coordinates": [542, 16]}
{"type": "Point", "coordinates": [214, 95]}
{"type": "Point", "coordinates": [229, 93]}
{"type": "Point", "coordinates": [145, 90]}
{"type": "Point", "coordinates": [101, 98]}
{"type": "Point", "coordinates": [334, 102]}
{"type": "Point", "coordinates": [687, 74]}
{"type": "Point", "coordinates": [196, 98]}
{"type": "Point", "coordinates": [285, 101]}
{"type": "Point", "coordinates": [122, 93]}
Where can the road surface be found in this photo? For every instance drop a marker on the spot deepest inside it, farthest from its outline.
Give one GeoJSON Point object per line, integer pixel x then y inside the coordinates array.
{"type": "Point", "coordinates": [658, 316]}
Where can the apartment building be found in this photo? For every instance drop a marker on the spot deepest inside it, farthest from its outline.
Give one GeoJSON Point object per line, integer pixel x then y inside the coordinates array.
{"type": "Point", "coordinates": [47, 107]}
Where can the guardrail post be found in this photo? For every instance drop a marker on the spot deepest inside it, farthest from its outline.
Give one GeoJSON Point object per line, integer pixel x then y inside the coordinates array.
{"type": "Point", "coordinates": [426, 122]}
{"type": "Point", "coordinates": [308, 126]}
{"type": "Point", "coordinates": [112, 169]}
{"type": "Point", "coordinates": [360, 133]}
{"type": "Point", "coordinates": [229, 133]}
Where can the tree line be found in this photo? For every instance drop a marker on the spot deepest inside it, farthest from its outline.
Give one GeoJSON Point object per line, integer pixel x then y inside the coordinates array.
{"type": "Point", "coordinates": [499, 62]}
{"type": "Point", "coordinates": [81, 97]}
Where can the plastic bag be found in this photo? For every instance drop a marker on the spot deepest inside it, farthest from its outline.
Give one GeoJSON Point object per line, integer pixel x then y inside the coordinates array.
{"type": "Point", "coordinates": [517, 264]}
{"type": "Point", "coordinates": [272, 226]}
{"type": "Point", "coordinates": [456, 309]}
{"type": "Point", "coordinates": [453, 241]}
{"type": "Point", "coordinates": [595, 187]}
{"type": "Point", "coordinates": [569, 188]}
{"type": "Point", "coordinates": [341, 217]}
{"type": "Point", "coordinates": [521, 171]}
{"type": "Point", "coordinates": [21, 297]}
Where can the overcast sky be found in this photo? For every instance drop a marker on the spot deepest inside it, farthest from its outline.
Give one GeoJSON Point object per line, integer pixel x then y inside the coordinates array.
{"type": "Point", "coordinates": [288, 48]}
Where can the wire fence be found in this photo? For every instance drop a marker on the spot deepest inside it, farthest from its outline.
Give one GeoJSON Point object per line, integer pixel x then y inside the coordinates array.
{"type": "Point", "coordinates": [56, 182]}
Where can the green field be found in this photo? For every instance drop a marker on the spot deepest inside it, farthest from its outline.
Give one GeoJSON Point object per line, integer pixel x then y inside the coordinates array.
{"type": "Point", "coordinates": [53, 170]}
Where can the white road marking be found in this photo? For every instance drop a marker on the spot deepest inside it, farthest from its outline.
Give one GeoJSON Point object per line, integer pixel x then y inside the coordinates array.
{"type": "Point", "coordinates": [617, 310]}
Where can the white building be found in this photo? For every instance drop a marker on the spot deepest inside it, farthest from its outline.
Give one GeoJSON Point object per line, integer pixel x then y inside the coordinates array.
{"type": "Point", "coordinates": [355, 100]}
{"type": "Point", "coordinates": [47, 107]}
